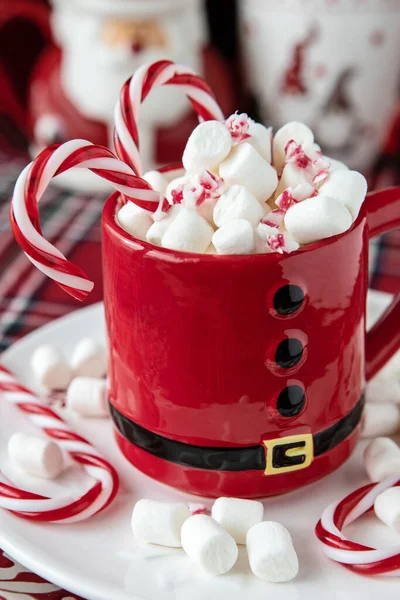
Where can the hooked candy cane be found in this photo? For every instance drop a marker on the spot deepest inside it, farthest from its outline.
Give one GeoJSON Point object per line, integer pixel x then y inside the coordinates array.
{"type": "Point", "coordinates": [32, 183]}
{"type": "Point", "coordinates": [354, 556]}
{"type": "Point", "coordinates": [122, 174]}
{"type": "Point", "coordinates": [63, 509]}
{"type": "Point", "coordinates": [135, 91]}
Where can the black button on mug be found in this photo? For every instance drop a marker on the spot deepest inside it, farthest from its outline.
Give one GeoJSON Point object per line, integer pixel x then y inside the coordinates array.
{"type": "Point", "coordinates": [291, 401]}
{"type": "Point", "coordinates": [288, 353]}
{"type": "Point", "coordinates": [288, 299]}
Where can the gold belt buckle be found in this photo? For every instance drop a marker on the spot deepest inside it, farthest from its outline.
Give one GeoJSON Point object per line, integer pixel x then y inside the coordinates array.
{"type": "Point", "coordinates": [290, 453]}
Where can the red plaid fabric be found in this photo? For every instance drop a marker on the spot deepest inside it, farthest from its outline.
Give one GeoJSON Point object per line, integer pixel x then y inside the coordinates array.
{"type": "Point", "coordinates": [28, 299]}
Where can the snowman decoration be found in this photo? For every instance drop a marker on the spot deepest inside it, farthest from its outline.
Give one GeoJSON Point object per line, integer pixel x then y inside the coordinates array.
{"type": "Point", "coordinates": [101, 42]}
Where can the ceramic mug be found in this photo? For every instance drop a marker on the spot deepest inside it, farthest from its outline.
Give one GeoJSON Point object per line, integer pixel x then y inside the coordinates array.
{"type": "Point", "coordinates": [243, 375]}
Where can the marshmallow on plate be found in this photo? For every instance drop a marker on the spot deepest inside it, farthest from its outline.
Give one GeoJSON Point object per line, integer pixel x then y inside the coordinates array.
{"type": "Point", "coordinates": [237, 515]}
{"type": "Point", "coordinates": [159, 523]}
{"type": "Point", "coordinates": [188, 232]}
{"type": "Point", "coordinates": [236, 237]}
{"type": "Point", "coordinates": [157, 180]}
{"type": "Point", "coordinates": [87, 396]}
{"type": "Point", "coordinates": [260, 139]}
{"type": "Point", "coordinates": [237, 203]}
{"type": "Point", "coordinates": [349, 187]}
{"type": "Point", "coordinates": [271, 553]}
{"type": "Point", "coordinates": [387, 507]}
{"type": "Point", "coordinates": [382, 459]}
{"type": "Point", "coordinates": [35, 455]}
{"type": "Point", "coordinates": [208, 544]}
{"type": "Point", "coordinates": [157, 231]}
{"type": "Point", "coordinates": [89, 358]}
{"type": "Point", "coordinates": [134, 219]}
{"type": "Point", "coordinates": [294, 130]}
{"type": "Point", "coordinates": [208, 145]}
{"type": "Point", "coordinates": [245, 166]}
{"type": "Point", "coordinates": [317, 218]}
{"type": "Point", "coordinates": [50, 368]}
{"type": "Point", "coordinates": [380, 419]}
{"type": "Point", "coordinates": [382, 390]}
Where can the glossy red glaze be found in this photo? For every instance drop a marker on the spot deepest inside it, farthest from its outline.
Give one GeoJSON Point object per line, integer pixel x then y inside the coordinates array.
{"type": "Point", "coordinates": [192, 345]}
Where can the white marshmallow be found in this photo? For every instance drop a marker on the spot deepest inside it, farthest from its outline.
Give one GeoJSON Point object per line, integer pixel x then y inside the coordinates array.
{"type": "Point", "coordinates": [245, 166]}
{"type": "Point", "coordinates": [134, 220]}
{"type": "Point", "coordinates": [261, 139]}
{"type": "Point", "coordinates": [294, 130]}
{"type": "Point", "coordinates": [336, 165]}
{"type": "Point", "coordinates": [35, 455]}
{"type": "Point", "coordinates": [188, 232]}
{"type": "Point", "coordinates": [317, 218]}
{"type": "Point", "coordinates": [237, 516]}
{"type": "Point", "coordinates": [157, 180]}
{"type": "Point", "coordinates": [387, 507]}
{"type": "Point", "coordinates": [157, 231]}
{"type": "Point", "coordinates": [208, 145]}
{"type": "Point", "coordinates": [211, 249]}
{"type": "Point", "coordinates": [236, 237]}
{"type": "Point", "coordinates": [89, 359]}
{"type": "Point", "coordinates": [382, 390]}
{"type": "Point", "coordinates": [292, 176]}
{"type": "Point", "coordinates": [271, 553]}
{"type": "Point", "coordinates": [261, 233]}
{"type": "Point", "coordinates": [237, 203]}
{"type": "Point", "coordinates": [174, 183]}
{"type": "Point", "coordinates": [49, 368]}
{"type": "Point", "coordinates": [206, 210]}
{"type": "Point", "coordinates": [87, 396]}
{"type": "Point", "coordinates": [209, 545]}
{"type": "Point", "coordinates": [380, 420]}
{"type": "Point", "coordinates": [349, 187]}
{"type": "Point", "coordinates": [391, 370]}
{"type": "Point", "coordinates": [382, 459]}
{"type": "Point", "coordinates": [159, 522]}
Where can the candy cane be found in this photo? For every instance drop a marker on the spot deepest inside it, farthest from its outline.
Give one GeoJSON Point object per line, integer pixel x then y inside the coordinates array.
{"type": "Point", "coordinates": [357, 557]}
{"type": "Point", "coordinates": [32, 183]}
{"type": "Point", "coordinates": [63, 509]}
{"type": "Point", "coordinates": [135, 91]}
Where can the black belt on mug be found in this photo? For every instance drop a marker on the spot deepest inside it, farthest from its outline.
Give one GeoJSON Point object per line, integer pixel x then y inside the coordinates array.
{"type": "Point", "coordinates": [275, 456]}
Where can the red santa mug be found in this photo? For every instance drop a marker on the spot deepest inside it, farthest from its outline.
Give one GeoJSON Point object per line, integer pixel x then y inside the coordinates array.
{"type": "Point", "coordinates": [243, 375]}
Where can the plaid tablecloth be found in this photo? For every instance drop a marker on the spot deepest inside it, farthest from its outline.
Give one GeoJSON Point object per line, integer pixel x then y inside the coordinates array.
{"type": "Point", "coordinates": [28, 299]}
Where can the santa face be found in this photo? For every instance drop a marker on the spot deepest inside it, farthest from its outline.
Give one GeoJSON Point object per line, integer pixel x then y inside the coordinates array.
{"type": "Point", "coordinates": [101, 52]}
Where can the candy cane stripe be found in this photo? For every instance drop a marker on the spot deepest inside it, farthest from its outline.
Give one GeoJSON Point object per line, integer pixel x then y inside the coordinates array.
{"type": "Point", "coordinates": [64, 510]}
{"type": "Point", "coordinates": [354, 556]}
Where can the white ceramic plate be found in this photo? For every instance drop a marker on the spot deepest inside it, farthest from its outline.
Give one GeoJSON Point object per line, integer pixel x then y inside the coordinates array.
{"type": "Point", "coordinates": [100, 560]}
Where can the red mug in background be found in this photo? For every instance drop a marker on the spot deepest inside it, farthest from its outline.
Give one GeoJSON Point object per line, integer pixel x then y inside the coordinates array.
{"type": "Point", "coordinates": [28, 20]}
{"type": "Point", "coordinates": [243, 375]}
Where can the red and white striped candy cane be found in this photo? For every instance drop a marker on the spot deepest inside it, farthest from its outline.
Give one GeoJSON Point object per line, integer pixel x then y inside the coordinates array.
{"type": "Point", "coordinates": [357, 557]}
{"type": "Point", "coordinates": [136, 90]}
{"type": "Point", "coordinates": [32, 183]}
{"type": "Point", "coordinates": [63, 509]}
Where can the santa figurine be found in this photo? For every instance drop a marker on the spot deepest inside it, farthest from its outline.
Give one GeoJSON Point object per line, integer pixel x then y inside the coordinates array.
{"type": "Point", "coordinates": [98, 44]}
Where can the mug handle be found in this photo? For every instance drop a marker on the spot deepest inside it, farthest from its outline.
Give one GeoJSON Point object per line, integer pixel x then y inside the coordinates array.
{"type": "Point", "coordinates": [383, 339]}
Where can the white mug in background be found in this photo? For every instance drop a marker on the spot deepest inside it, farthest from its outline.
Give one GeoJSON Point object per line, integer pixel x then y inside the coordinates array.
{"type": "Point", "coordinates": [333, 64]}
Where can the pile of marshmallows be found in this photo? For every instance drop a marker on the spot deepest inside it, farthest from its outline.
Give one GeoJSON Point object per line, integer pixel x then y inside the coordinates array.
{"type": "Point", "coordinates": [86, 396]}
{"type": "Point", "coordinates": [382, 461]}
{"type": "Point", "coordinates": [244, 192]}
{"type": "Point", "coordinates": [382, 410]}
{"type": "Point", "coordinates": [82, 376]}
{"type": "Point", "coordinates": [211, 541]}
